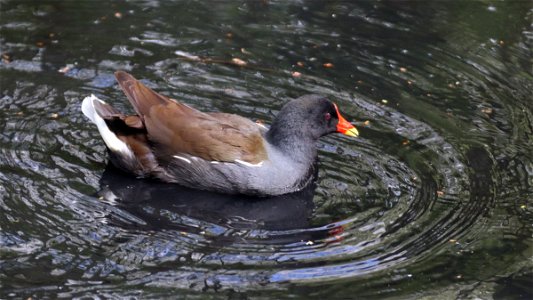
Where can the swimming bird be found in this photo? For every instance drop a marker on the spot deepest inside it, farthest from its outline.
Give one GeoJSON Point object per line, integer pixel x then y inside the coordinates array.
{"type": "Point", "coordinates": [215, 151]}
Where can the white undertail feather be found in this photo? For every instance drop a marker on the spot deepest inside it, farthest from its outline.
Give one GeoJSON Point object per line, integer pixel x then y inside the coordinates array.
{"type": "Point", "coordinates": [110, 139]}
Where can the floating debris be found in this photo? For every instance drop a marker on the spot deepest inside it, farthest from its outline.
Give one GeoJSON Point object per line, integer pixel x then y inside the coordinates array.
{"type": "Point", "coordinates": [6, 58]}
{"type": "Point", "coordinates": [296, 74]}
{"type": "Point", "coordinates": [384, 101]}
{"type": "Point", "coordinates": [238, 62]}
{"type": "Point", "coordinates": [328, 65]}
{"type": "Point", "coordinates": [118, 15]}
{"type": "Point", "coordinates": [440, 193]}
{"type": "Point", "coordinates": [66, 68]}
{"type": "Point", "coordinates": [487, 110]}
{"type": "Point", "coordinates": [403, 70]}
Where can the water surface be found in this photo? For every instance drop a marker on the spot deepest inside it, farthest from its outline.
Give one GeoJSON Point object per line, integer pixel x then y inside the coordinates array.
{"type": "Point", "coordinates": [435, 198]}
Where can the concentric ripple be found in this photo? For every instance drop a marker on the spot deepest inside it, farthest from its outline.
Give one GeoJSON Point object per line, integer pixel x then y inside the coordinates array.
{"type": "Point", "coordinates": [433, 199]}
{"type": "Point", "coordinates": [386, 203]}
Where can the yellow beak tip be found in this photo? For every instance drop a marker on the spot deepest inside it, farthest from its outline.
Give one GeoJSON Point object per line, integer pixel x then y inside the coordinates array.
{"type": "Point", "coordinates": [352, 132]}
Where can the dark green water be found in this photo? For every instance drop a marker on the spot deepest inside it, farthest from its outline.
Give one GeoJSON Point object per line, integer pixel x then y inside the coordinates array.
{"type": "Point", "coordinates": [434, 200]}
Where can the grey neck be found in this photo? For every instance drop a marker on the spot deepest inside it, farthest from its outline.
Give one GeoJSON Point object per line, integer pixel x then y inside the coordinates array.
{"type": "Point", "coordinates": [299, 146]}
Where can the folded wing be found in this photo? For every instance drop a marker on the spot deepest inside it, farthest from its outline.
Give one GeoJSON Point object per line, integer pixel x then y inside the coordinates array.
{"type": "Point", "coordinates": [177, 128]}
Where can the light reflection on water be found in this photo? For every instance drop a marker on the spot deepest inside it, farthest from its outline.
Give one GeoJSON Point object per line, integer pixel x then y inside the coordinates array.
{"type": "Point", "coordinates": [438, 185]}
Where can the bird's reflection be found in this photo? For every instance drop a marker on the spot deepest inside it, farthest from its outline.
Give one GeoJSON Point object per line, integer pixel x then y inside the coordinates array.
{"type": "Point", "coordinates": [162, 205]}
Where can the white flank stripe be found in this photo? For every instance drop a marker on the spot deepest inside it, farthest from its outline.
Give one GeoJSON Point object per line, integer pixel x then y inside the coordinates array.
{"type": "Point", "coordinates": [183, 158]}
{"type": "Point", "coordinates": [249, 164]}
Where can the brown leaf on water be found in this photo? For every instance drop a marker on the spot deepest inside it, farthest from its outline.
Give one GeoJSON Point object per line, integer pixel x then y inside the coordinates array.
{"type": "Point", "coordinates": [328, 65]}
{"type": "Point", "coordinates": [6, 58]}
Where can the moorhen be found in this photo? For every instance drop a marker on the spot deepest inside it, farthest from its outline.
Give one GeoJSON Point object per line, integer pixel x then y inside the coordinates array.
{"type": "Point", "coordinates": [218, 152]}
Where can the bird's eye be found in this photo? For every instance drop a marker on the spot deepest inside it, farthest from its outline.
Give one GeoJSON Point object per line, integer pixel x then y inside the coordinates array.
{"type": "Point", "coordinates": [327, 116]}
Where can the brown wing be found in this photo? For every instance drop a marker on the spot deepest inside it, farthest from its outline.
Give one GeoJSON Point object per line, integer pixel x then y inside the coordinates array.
{"type": "Point", "coordinates": [178, 128]}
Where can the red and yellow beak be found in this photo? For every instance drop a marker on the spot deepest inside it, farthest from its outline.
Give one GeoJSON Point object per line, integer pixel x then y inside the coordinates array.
{"type": "Point", "coordinates": [344, 126]}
